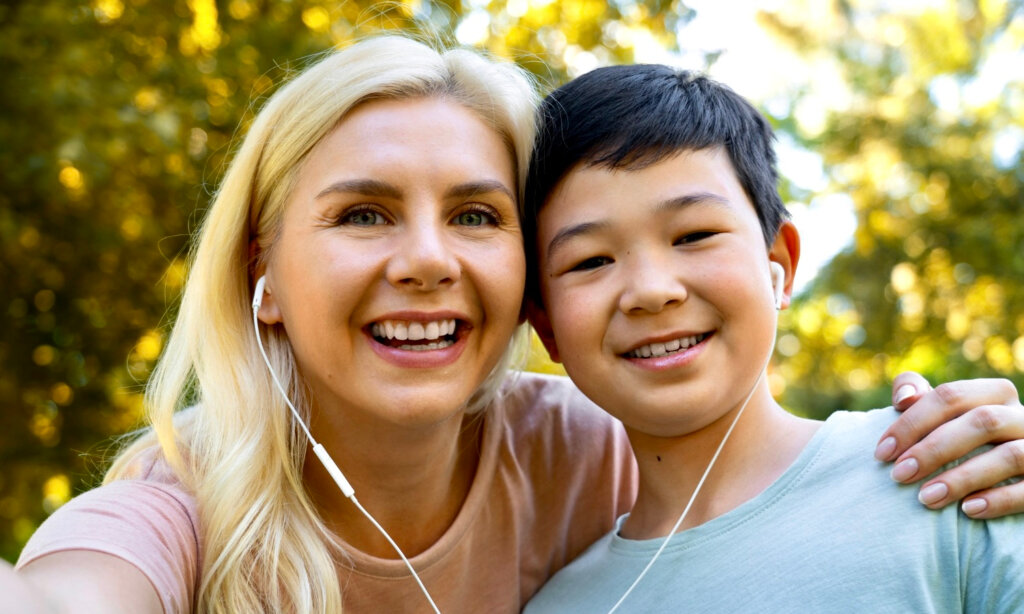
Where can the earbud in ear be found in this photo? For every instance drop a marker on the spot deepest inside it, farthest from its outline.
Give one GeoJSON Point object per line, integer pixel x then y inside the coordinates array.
{"type": "Point", "coordinates": [257, 295]}
{"type": "Point", "coordinates": [778, 283]}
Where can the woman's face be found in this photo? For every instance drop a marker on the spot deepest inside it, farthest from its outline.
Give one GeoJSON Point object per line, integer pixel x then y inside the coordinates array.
{"type": "Point", "coordinates": [399, 269]}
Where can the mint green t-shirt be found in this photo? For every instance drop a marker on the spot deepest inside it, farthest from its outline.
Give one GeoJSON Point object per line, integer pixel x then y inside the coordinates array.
{"type": "Point", "coordinates": [833, 534]}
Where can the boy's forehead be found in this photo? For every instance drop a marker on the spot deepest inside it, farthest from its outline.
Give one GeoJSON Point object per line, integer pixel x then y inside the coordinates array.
{"type": "Point", "coordinates": [639, 161]}
{"type": "Point", "coordinates": [704, 171]}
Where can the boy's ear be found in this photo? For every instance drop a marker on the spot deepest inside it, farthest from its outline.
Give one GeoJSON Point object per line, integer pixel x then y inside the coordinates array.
{"type": "Point", "coordinates": [786, 251]}
{"type": "Point", "coordinates": [539, 320]}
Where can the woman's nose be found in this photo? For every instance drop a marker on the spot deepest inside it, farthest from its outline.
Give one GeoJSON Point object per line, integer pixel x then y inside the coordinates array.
{"type": "Point", "coordinates": [424, 259]}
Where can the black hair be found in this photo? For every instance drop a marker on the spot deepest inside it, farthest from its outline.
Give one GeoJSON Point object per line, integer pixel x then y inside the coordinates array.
{"type": "Point", "coordinates": [630, 117]}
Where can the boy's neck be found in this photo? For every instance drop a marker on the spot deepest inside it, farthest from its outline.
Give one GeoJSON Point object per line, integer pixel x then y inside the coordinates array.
{"type": "Point", "coordinates": [766, 441]}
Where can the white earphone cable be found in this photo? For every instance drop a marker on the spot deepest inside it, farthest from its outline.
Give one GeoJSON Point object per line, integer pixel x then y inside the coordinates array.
{"type": "Point", "coordinates": [325, 458]}
{"type": "Point", "coordinates": [707, 470]}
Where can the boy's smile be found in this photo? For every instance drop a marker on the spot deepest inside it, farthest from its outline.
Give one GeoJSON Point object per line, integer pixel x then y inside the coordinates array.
{"type": "Point", "coordinates": [656, 286]}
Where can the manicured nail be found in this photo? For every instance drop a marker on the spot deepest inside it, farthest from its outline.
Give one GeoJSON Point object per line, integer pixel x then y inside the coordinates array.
{"type": "Point", "coordinates": [886, 449]}
{"type": "Point", "coordinates": [904, 392]}
{"type": "Point", "coordinates": [904, 470]}
{"type": "Point", "coordinates": [932, 493]}
{"type": "Point", "coordinates": [974, 506]}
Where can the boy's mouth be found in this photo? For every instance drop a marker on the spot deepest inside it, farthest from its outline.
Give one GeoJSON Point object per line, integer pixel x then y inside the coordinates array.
{"type": "Point", "coordinates": [655, 350]}
{"type": "Point", "coordinates": [416, 336]}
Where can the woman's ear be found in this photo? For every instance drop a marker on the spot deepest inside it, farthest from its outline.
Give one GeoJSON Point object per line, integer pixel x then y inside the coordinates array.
{"type": "Point", "coordinates": [786, 252]}
{"type": "Point", "coordinates": [538, 318]}
{"type": "Point", "coordinates": [268, 311]}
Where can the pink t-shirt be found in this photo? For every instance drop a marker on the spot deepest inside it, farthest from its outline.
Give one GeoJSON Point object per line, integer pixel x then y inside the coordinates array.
{"type": "Point", "coordinates": [554, 473]}
{"type": "Point", "coordinates": [151, 522]}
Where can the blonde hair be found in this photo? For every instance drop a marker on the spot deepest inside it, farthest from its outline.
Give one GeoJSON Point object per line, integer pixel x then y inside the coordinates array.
{"type": "Point", "coordinates": [264, 545]}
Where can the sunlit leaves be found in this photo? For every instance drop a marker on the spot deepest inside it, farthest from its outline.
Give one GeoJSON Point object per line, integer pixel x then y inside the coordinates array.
{"type": "Point", "coordinates": [936, 266]}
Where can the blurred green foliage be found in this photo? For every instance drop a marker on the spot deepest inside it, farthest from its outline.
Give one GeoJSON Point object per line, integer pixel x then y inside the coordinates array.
{"type": "Point", "coordinates": [928, 147]}
{"type": "Point", "coordinates": [117, 118]}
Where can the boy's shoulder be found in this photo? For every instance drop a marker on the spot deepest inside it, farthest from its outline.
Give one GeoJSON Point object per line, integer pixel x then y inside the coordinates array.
{"type": "Point", "coordinates": [832, 511]}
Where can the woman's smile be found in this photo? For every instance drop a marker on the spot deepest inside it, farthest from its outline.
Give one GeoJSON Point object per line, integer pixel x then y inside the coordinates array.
{"type": "Point", "coordinates": [419, 341]}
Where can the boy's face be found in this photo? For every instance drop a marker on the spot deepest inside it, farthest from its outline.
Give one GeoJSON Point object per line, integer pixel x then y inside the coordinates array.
{"type": "Point", "coordinates": [657, 290]}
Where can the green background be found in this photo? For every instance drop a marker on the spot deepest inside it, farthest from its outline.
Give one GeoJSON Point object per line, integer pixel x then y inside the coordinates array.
{"type": "Point", "coordinates": [117, 118]}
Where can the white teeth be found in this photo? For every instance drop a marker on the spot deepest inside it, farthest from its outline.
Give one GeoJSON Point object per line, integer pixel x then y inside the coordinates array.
{"type": "Point", "coordinates": [662, 349]}
{"type": "Point", "coordinates": [427, 347]}
{"type": "Point", "coordinates": [414, 331]}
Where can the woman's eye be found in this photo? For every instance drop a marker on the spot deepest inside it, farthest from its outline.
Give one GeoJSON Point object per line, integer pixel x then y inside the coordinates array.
{"type": "Point", "coordinates": [591, 263]}
{"type": "Point", "coordinates": [475, 217]}
{"type": "Point", "coordinates": [363, 217]}
{"type": "Point", "coordinates": [694, 237]}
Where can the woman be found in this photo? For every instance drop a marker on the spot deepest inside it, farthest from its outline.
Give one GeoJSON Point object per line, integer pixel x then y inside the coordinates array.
{"type": "Point", "coordinates": [376, 196]}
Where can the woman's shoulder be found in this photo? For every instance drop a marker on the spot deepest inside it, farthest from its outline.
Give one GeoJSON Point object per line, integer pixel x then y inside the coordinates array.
{"type": "Point", "coordinates": [547, 415]}
{"type": "Point", "coordinates": [538, 400]}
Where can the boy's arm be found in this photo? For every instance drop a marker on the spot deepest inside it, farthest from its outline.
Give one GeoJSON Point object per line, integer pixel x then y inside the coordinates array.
{"type": "Point", "coordinates": [943, 424]}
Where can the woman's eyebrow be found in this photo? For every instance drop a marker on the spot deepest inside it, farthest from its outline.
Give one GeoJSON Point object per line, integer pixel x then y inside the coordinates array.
{"type": "Point", "coordinates": [367, 187]}
{"type": "Point", "coordinates": [472, 188]}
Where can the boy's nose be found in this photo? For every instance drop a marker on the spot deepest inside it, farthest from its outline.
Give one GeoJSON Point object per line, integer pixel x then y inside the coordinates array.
{"type": "Point", "coordinates": [650, 287]}
{"type": "Point", "coordinates": [423, 260]}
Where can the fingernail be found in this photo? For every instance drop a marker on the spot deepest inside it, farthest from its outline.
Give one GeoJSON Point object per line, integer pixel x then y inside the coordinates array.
{"type": "Point", "coordinates": [932, 493]}
{"type": "Point", "coordinates": [904, 470]}
{"type": "Point", "coordinates": [904, 392]}
{"type": "Point", "coordinates": [974, 506]}
{"type": "Point", "coordinates": [886, 449]}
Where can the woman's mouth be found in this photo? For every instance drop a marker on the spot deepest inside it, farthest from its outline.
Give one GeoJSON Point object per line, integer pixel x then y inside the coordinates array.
{"type": "Point", "coordinates": [655, 350]}
{"type": "Point", "coordinates": [415, 336]}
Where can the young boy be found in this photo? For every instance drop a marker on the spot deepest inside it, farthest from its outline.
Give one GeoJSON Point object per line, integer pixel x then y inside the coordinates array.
{"type": "Point", "coordinates": [662, 254]}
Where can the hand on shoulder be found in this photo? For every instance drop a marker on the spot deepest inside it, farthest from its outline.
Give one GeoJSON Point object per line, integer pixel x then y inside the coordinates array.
{"type": "Point", "coordinates": [940, 425]}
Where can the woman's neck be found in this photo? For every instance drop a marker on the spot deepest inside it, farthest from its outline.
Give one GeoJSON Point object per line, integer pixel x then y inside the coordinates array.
{"type": "Point", "coordinates": [765, 442]}
{"type": "Point", "coordinates": [412, 481]}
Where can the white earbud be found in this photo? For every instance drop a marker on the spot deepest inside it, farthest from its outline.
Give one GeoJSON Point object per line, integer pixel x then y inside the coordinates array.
{"type": "Point", "coordinates": [257, 296]}
{"type": "Point", "coordinates": [778, 283]}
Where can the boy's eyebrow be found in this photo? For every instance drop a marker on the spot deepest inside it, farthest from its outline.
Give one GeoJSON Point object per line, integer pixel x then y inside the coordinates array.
{"type": "Point", "coordinates": [672, 204]}
{"type": "Point", "coordinates": [575, 230]}
{"type": "Point", "coordinates": [686, 200]}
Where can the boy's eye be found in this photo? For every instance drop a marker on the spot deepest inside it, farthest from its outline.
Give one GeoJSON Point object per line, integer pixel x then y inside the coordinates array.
{"type": "Point", "coordinates": [476, 217]}
{"type": "Point", "coordinates": [363, 217]}
{"type": "Point", "coordinates": [694, 237]}
{"type": "Point", "coordinates": [591, 263]}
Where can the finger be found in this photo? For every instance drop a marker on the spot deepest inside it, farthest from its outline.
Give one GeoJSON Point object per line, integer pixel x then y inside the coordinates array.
{"type": "Point", "coordinates": [996, 502]}
{"type": "Point", "coordinates": [938, 406]}
{"type": "Point", "coordinates": [977, 474]}
{"type": "Point", "coordinates": [907, 387]}
{"type": "Point", "coordinates": [956, 438]}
